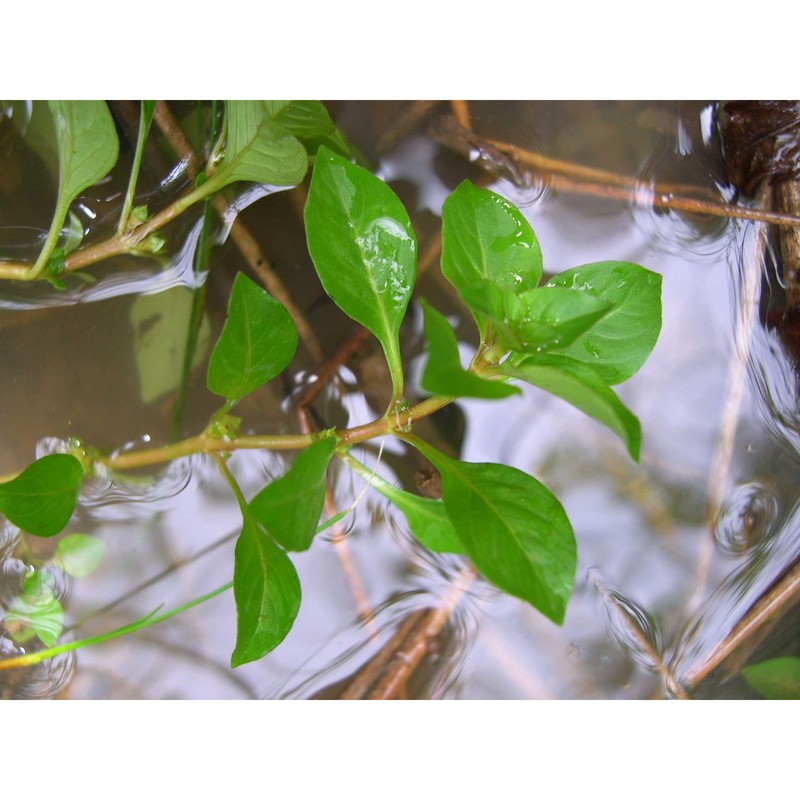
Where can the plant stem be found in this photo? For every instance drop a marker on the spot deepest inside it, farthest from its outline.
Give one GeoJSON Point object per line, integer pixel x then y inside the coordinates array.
{"type": "Point", "coordinates": [210, 445]}
{"type": "Point", "coordinates": [144, 622]}
{"type": "Point", "coordinates": [145, 118]}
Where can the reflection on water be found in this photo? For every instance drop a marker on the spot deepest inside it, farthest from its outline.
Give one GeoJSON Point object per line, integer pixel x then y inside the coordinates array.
{"type": "Point", "coordinates": [646, 528]}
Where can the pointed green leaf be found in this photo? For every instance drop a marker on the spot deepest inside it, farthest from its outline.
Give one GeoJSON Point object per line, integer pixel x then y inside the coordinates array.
{"type": "Point", "coordinates": [257, 343]}
{"type": "Point", "coordinates": [776, 679]}
{"type": "Point", "coordinates": [305, 119]}
{"type": "Point", "coordinates": [513, 528]}
{"type": "Point", "coordinates": [79, 554]}
{"type": "Point", "coordinates": [618, 344]}
{"type": "Point", "coordinates": [267, 593]}
{"type": "Point", "coordinates": [290, 507]}
{"type": "Point", "coordinates": [538, 319]}
{"type": "Point", "coordinates": [443, 373]}
{"type": "Point", "coordinates": [87, 150]}
{"type": "Point", "coordinates": [427, 518]}
{"type": "Point", "coordinates": [583, 388]}
{"type": "Point", "coordinates": [259, 149]}
{"type": "Point", "coordinates": [485, 237]}
{"type": "Point", "coordinates": [363, 248]}
{"type": "Point", "coordinates": [42, 498]}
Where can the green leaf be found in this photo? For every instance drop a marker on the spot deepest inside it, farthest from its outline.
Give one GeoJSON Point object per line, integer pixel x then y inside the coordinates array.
{"type": "Point", "coordinates": [617, 345]}
{"type": "Point", "coordinates": [443, 373]}
{"type": "Point", "coordinates": [79, 554]}
{"type": "Point", "coordinates": [364, 250]}
{"type": "Point", "coordinates": [290, 507]}
{"type": "Point", "coordinates": [160, 322]}
{"type": "Point", "coordinates": [36, 612]}
{"type": "Point", "coordinates": [42, 498]}
{"type": "Point", "coordinates": [257, 343]}
{"type": "Point", "coordinates": [258, 148]}
{"type": "Point", "coordinates": [267, 593]}
{"type": "Point", "coordinates": [583, 388]}
{"type": "Point", "coordinates": [305, 119]}
{"type": "Point", "coordinates": [426, 518]}
{"type": "Point", "coordinates": [485, 237]}
{"type": "Point", "coordinates": [538, 319]}
{"type": "Point", "coordinates": [513, 528]}
{"type": "Point", "coordinates": [776, 679]}
{"type": "Point", "coordinates": [87, 150]}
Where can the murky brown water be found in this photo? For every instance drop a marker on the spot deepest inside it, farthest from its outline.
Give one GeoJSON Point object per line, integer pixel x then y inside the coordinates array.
{"type": "Point", "coordinates": [660, 583]}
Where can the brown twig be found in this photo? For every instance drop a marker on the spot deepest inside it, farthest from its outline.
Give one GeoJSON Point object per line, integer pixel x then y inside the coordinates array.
{"type": "Point", "coordinates": [460, 109]}
{"type": "Point", "coordinates": [577, 179]}
{"type": "Point", "coordinates": [405, 124]}
{"type": "Point", "coordinates": [751, 629]}
{"type": "Point", "coordinates": [386, 675]}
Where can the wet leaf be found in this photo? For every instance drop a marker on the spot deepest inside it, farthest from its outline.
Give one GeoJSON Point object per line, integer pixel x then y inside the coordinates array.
{"type": "Point", "coordinates": [79, 554]}
{"type": "Point", "coordinates": [258, 148]}
{"type": "Point", "coordinates": [443, 373]}
{"type": "Point", "coordinates": [363, 248]}
{"type": "Point", "coordinates": [290, 507]}
{"type": "Point", "coordinates": [87, 150]}
{"type": "Point", "coordinates": [776, 679]}
{"type": "Point", "coordinates": [583, 388]}
{"type": "Point", "coordinates": [513, 528]}
{"type": "Point", "coordinates": [267, 593]}
{"type": "Point", "coordinates": [538, 319]}
{"type": "Point", "coordinates": [305, 119]}
{"type": "Point", "coordinates": [426, 518]}
{"type": "Point", "coordinates": [257, 343]}
{"type": "Point", "coordinates": [42, 498]}
{"type": "Point", "coordinates": [617, 345]}
{"type": "Point", "coordinates": [485, 237]}
{"type": "Point", "coordinates": [160, 322]}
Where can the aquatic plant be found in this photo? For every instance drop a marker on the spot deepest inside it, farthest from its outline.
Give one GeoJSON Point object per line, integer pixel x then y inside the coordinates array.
{"type": "Point", "coordinates": [574, 335]}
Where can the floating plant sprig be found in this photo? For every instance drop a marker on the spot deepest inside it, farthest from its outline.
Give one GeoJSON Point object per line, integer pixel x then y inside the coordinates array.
{"type": "Point", "coordinates": [576, 336]}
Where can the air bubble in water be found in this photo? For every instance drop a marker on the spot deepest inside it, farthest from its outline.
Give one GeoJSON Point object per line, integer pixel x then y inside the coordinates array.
{"type": "Point", "coordinates": [746, 517]}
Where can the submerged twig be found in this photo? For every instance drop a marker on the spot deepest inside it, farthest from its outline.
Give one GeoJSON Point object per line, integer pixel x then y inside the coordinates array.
{"type": "Point", "coordinates": [751, 629]}
{"type": "Point", "coordinates": [385, 675]}
{"type": "Point", "coordinates": [737, 369]}
{"type": "Point", "coordinates": [565, 176]}
{"type": "Point", "coordinates": [405, 124]}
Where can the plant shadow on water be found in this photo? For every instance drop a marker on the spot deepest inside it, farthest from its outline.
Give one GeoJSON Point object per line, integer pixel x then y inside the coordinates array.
{"type": "Point", "coordinates": [673, 551]}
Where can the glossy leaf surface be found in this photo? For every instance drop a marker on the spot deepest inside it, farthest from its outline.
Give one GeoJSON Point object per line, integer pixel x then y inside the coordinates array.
{"type": "Point", "coordinates": [776, 679]}
{"type": "Point", "coordinates": [513, 528]}
{"type": "Point", "coordinates": [538, 319]}
{"type": "Point", "coordinates": [618, 344]}
{"type": "Point", "coordinates": [87, 150]}
{"type": "Point", "coordinates": [485, 237]}
{"type": "Point", "coordinates": [258, 148]}
{"type": "Point", "coordinates": [257, 343]}
{"type": "Point", "coordinates": [289, 507]}
{"type": "Point", "coordinates": [267, 593]}
{"type": "Point", "coordinates": [363, 248]}
{"type": "Point", "coordinates": [443, 373]}
{"type": "Point", "coordinates": [583, 388]}
{"type": "Point", "coordinates": [42, 498]}
{"type": "Point", "coordinates": [427, 518]}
